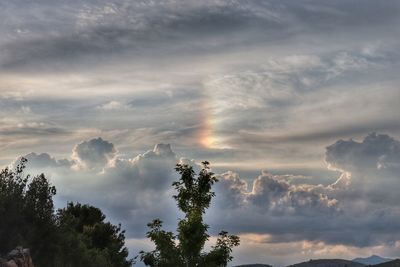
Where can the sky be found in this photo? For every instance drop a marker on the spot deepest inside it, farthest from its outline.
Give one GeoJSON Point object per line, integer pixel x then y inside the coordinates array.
{"type": "Point", "coordinates": [294, 103]}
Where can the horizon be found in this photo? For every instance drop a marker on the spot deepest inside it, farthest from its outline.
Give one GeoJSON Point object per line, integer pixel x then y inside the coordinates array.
{"type": "Point", "coordinates": [294, 103]}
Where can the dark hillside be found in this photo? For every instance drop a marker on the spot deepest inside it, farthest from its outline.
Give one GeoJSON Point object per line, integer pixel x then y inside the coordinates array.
{"type": "Point", "coordinates": [394, 263]}
{"type": "Point", "coordinates": [328, 263]}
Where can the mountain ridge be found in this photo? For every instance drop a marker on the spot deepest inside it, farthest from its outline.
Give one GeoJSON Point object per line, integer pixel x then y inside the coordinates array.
{"type": "Point", "coordinates": [327, 263]}
{"type": "Point", "coordinates": [381, 262]}
{"type": "Point", "coordinates": [393, 263]}
{"type": "Point", "coordinates": [372, 260]}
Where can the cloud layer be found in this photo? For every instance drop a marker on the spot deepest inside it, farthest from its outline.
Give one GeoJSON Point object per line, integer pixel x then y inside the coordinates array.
{"type": "Point", "coordinates": [251, 76]}
{"type": "Point", "coordinates": [358, 210]}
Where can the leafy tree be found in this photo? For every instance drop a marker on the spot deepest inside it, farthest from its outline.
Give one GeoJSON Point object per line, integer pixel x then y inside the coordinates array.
{"type": "Point", "coordinates": [27, 213]}
{"type": "Point", "coordinates": [97, 240]}
{"type": "Point", "coordinates": [40, 231]}
{"type": "Point", "coordinates": [12, 190]}
{"type": "Point", "coordinates": [185, 249]}
{"type": "Point", "coordinates": [76, 236]}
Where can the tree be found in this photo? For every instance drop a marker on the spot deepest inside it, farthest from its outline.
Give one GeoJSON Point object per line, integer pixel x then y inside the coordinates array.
{"type": "Point", "coordinates": [76, 236]}
{"type": "Point", "coordinates": [12, 190]}
{"type": "Point", "coordinates": [89, 240]}
{"type": "Point", "coordinates": [41, 231]}
{"type": "Point", "coordinates": [185, 249]}
{"type": "Point", "coordinates": [27, 213]}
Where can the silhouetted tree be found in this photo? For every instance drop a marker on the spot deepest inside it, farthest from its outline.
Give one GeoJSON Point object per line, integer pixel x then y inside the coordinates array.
{"type": "Point", "coordinates": [185, 249]}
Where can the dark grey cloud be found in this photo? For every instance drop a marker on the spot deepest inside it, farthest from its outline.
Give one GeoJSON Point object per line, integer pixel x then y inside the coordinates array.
{"type": "Point", "coordinates": [105, 29]}
{"type": "Point", "coordinates": [127, 32]}
{"type": "Point", "coordinates": [374, 153]}
{"type": "Point", "coordinates": [340, 13]}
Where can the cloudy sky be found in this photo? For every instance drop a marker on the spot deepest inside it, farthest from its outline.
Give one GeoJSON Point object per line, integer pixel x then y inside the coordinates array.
{"type": "Point", "coordinates": [295, 104]}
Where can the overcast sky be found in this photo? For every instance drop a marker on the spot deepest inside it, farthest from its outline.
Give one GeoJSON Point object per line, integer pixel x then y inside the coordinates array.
{"type": "Point", "coordinates": [295, 104]}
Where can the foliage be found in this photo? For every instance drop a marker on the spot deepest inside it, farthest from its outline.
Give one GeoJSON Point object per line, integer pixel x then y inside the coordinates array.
{"type": "Point", "coordinates": [76, 236]}
{"type": "Point", "coordinates": [13, 187]}
{"type": "Point", "coordinates": [100, 242]}
{"type": "Point", "coordinates": [27, 213]}
{"type": "Point", "coordinates": [185, 249]}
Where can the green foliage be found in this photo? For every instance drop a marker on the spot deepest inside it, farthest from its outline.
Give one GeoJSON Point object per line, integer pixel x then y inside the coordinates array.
{"type": "Point", "coordinates": [27, 214]}
{"type": "Point", "coordinates": [13, 186]}
{"type": "Point", "coordinates": [220, 254]}
{"type": "Point", "coordinates": [185, 249]}
{"type": "Point", "coordinates": [166, 253]}
{"type": "Point", "coordinates": [101, 242]}
{"type": "Point", "coordinates": [76, 236]}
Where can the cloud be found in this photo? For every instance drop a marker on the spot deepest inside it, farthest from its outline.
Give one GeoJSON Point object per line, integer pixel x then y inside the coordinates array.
{"type": "Point", "coordinates": [358, 209]}
{"type": "Point", "coordinates": [279, 196]}
{"type": "Point", "coordinates": [377, 152]}
{"type": "Point", "coordinates": [286, 253]}
{"type": "Point", "coordinates": [113, 105]}
{"type": "Point", "coordinates": [322, 134]}
{"type": "Point", "coordinates": [286, 103]}
{"type": "Point", "coordinates": [93, 154]}
{"type": "Point", "coordinates": [233, 190]}
{"type": "Point", "coordinates": [271, 196]}
{"type": "Point", "coordinates": [268, 77]}
{"type": "Point", "coordinates": [271, 83]}
{"type": "Point", "coordinates": [130, 190]}
{"type": "Point", "coordinates": [274, 204]}
{"type": "Point", "coordinates": [362, 200]}
{"type": "Point", "coordinates": [23, 129]}
{"type": "Point", "coordinates": [44, 161]}
{"type": "Point", "coordinates": [371, 167]}
{"type": "Point", "coordinates": [136, 28]}
{"type": "Point", "coordinates": [120, 28]}
{"type": "Point", "coordinates": [287, 80]}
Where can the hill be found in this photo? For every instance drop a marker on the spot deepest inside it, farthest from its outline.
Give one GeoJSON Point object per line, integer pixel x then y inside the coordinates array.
{"type": "Point", "coordinates": [328, 263]}
{"type": "Point", "coordinates": [393, 263]}
{"type": "Point", "coordinates": [373, 260]}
